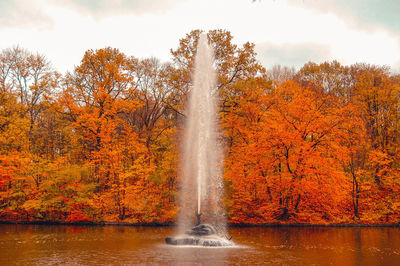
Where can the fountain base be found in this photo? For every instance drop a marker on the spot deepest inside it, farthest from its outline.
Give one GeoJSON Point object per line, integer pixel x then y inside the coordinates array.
{"type": "Point", "coordinates": [208, 241]}
{"type": "Point", "coordinates": [200, 235]}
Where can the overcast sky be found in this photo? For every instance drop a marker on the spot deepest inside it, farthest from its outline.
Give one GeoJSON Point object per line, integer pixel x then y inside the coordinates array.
{"type": "Point", "coordinates": [288, 32]}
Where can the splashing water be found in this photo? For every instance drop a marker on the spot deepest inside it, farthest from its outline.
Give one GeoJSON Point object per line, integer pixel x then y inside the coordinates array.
{"type": "Point", "coordinates": [202, 157]}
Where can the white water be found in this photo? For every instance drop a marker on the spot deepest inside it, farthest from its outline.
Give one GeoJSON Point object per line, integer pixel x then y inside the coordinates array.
{"type": "Point", "coordinates": [202, 157]}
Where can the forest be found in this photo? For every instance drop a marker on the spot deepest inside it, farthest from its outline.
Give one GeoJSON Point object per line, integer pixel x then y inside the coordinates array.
{"type": "Point", "coordinates": [318, 145]}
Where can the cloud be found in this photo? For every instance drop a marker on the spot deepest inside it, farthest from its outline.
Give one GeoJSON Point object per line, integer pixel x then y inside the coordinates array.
{"type": "Point", "coordinates": [101, 8]}
{"type": "Point", "coordinates": [364, 14]}
{"type": "Point", "coordinates": [23, 14]}
{"type": "Point", "coordinates": [396, 68]}
{"type": "Point", "coordinates": [289, 54]}
{"type": "Point", "coordinates": [283, 33]}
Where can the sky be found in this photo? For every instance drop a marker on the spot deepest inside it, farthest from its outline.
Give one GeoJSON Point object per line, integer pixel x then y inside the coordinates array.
{"type": "Point", "coordinates": [286, 32]}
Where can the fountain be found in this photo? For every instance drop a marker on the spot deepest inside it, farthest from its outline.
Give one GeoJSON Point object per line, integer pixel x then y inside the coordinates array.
{"type": "Point", "coordinates": [202, 187]}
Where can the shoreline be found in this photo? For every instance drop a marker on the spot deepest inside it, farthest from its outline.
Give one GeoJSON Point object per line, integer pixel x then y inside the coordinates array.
{"type": "Point", "coordinates": [230, 225]}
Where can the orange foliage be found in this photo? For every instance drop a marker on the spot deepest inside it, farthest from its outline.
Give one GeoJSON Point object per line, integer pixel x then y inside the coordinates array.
{"type": "Point", "coordinates": [319, 145]}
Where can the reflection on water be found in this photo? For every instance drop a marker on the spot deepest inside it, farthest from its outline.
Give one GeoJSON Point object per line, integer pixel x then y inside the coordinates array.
{"type": "Point", "coordinates": [39, 244]}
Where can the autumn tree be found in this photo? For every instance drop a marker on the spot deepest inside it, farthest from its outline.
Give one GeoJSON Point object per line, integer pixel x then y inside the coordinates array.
{"type": "Point", "coordinates": [331, 76]}
{"type": "Point", "coordinates": [285, 157]}
{"type": "Point", "coordinates": [377, 98]}
{"type": "Point", "coordinates": [31, 79]}
{"type": "Point", "coordinates": [279, 74]}
{"type": "Point", "coordinates": [155, 123]}
{"type": "Point", "coordinates": [232, 63]}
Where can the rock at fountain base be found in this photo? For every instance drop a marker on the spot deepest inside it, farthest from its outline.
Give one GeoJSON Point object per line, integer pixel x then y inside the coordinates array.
{"type": "Point", "coordinates": [200, 235]}
{"type": "Point", "coordinates": [201, 230]}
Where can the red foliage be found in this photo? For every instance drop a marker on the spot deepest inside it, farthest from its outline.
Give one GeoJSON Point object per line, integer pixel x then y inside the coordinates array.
{"type": "Point", "coordinates": [320, 145]}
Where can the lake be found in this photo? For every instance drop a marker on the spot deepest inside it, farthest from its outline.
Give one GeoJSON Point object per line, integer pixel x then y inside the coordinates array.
{"type": "Point", "coordinates": [124, 245]}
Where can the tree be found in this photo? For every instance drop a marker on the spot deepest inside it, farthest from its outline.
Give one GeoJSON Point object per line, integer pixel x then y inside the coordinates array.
{"type": "Point", "coordinates": [29, 76]}
{"type": "Point", "coordinates": [14, 125]}
{"type": "Point", "coordinates": [232, 64]}
{"type": "Point", "coordinates": [280, 74]}
{"type": "Point", "coordinates": [331, 76]}
{"type": "Point", "coordinates": [284, 158]}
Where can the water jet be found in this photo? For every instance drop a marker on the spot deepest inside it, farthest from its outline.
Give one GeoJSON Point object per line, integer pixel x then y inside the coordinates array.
{"type": "Point", "coordinates": [198, 215]}
{"type": "Point", "coordinates": [202, 186]}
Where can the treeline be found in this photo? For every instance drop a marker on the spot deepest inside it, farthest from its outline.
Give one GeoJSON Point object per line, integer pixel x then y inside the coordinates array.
{"type": "Point", "coordinates": [318, 145]}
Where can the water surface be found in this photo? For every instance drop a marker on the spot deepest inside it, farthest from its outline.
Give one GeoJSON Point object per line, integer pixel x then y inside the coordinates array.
{"type": "Point", "coordinates": [125, 245]}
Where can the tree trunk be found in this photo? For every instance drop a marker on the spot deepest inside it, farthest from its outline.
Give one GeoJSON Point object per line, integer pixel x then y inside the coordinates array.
{"type": "Point", "coordinates": [355, 194]}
